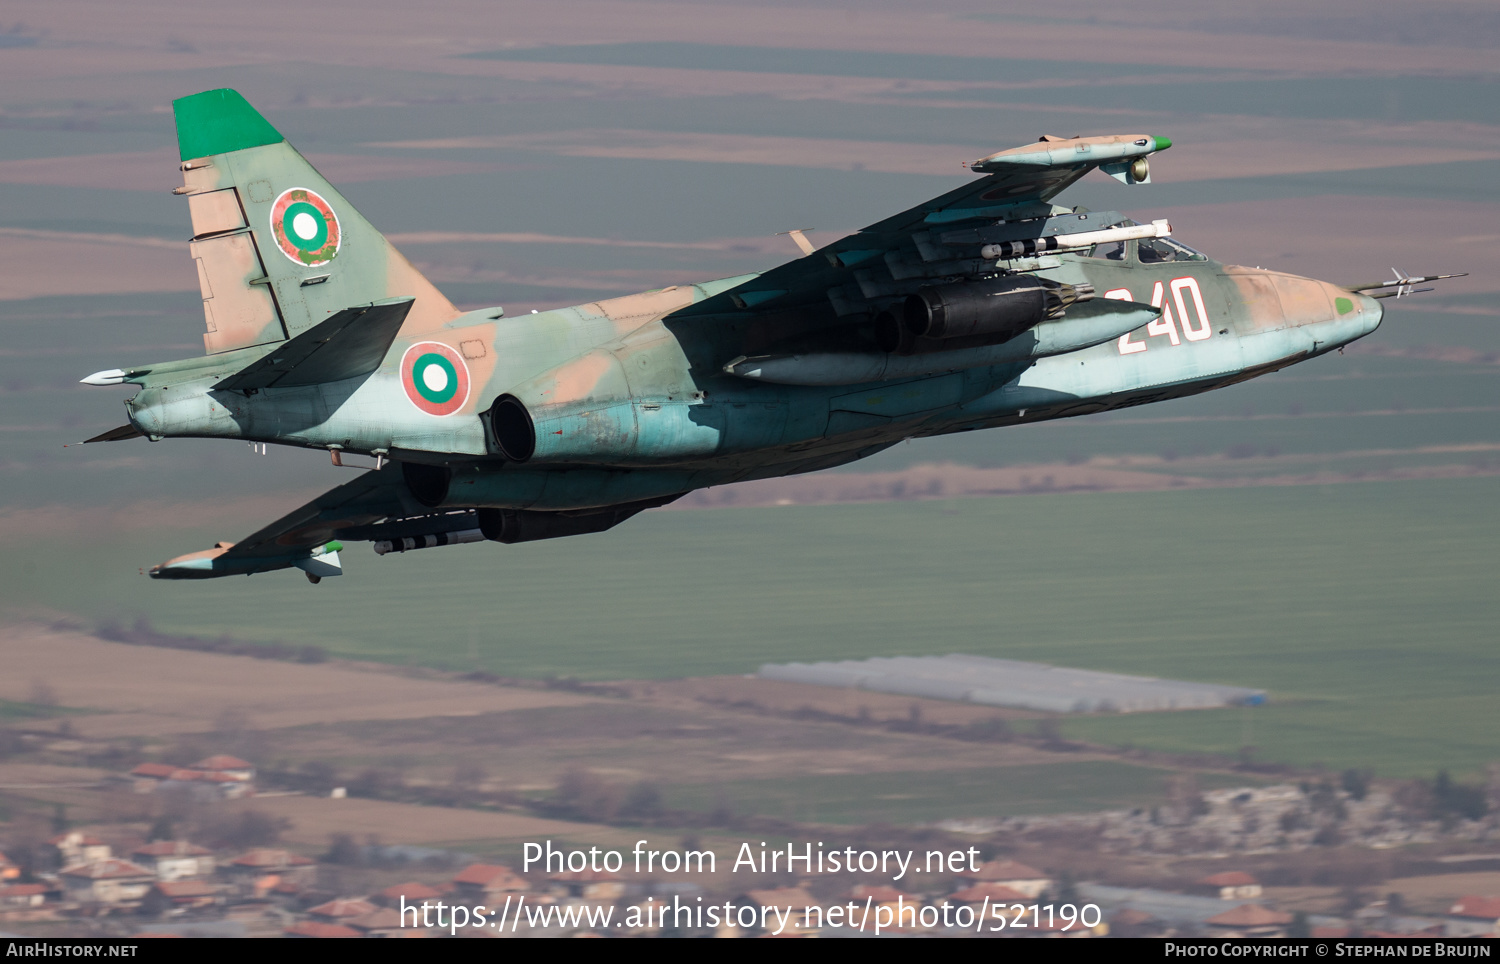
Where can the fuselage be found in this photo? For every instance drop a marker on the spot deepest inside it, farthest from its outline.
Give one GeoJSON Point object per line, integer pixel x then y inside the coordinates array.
{"type": "Point", "coordinates": [630, 403]}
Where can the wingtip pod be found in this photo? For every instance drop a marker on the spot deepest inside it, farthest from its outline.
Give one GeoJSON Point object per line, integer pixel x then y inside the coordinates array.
{"type": "Point", "coordinates": [113, 376]}
{"type": "Point", "coordinates": [1072, 151]}
{"type": "Point", "coordinates": [218, 122]}
{"type": "Point", "coordinates": [211, 563]}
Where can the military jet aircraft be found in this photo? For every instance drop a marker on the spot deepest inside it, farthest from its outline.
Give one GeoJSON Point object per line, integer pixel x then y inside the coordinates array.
{"type": "Point", "coordinates": [986, 307]}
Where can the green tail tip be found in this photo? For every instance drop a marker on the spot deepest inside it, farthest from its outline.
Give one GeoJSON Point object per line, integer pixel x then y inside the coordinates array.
{"type": "Point", "coordinates": [219, 121]}
{"type": "Point", "coordinates": [1162, 143]}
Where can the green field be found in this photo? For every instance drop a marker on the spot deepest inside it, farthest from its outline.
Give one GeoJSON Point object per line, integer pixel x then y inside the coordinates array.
{"type": "Point", "coordinates": [1367, 610]}
{"type": "Point", "coordinates": [920, 797]}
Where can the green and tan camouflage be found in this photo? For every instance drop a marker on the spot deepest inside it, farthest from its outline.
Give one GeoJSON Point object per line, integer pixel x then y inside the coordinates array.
{"type": "Point", "coordinates": [986, 307]}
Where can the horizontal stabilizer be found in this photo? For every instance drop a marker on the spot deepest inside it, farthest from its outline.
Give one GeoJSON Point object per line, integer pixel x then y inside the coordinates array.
{"type": "Point", "coordinates": [351, 343]}
{"type": "Point", "coordinates": [116, 434]}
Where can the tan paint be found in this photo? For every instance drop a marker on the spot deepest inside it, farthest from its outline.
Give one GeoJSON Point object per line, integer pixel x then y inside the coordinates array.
{"type": "Point", "coordinates": [470, 343]}
{"type": "Point", "coordinates": [237, 314]}
{"type": "Point", "coordinates": [213, 553]}
{"type": "Point", "coordinates": [215, 212]}
{"type": "Point", "coordinates": [579, 379]}
{"type": "Point", "coordinates": [1257, 295]}
{"type": "Point", "coordinates": [432, 309]}
{"type": "Point", "coordinates": [633, 311]}
{"type": "Point", "coordinates": [1054, 139]}
{"type": "Point", "coordinates": [1303, 300]}
{"type": "Point", "coordinates": [199, 175]}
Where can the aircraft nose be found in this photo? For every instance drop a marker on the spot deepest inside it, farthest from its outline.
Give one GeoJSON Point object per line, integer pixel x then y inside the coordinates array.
{"type": "Point", "coordinates": [1353, 312]}
{"type": "Point", "coordinates": [1338, 314]}
{"type": "Point", "coordinates": [1373, 311]}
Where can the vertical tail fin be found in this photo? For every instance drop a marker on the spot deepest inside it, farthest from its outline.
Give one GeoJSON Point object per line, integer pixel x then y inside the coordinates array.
{"type": "Point", "coordinates": [278, 248]}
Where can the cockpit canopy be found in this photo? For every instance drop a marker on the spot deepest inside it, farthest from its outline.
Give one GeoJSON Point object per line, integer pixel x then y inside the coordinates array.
{"type": "Point", "coordinates": [1148, 250]}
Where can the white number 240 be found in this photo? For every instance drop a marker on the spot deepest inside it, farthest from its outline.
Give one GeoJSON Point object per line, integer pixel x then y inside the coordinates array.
{"type": "Point", "coordinates": [1195, 323]}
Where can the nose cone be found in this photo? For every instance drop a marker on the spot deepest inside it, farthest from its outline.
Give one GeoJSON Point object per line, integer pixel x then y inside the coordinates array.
{"type": "Point", "coordinates": [1354, 315]}
{"type": "Point", "coordinates": [1372, 309]}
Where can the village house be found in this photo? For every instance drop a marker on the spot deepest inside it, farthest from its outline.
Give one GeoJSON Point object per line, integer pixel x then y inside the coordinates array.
{"type": "Point", "coordinates": [215, 777]}
{"type": "Point", "coordinates": [13, 896]}
{"type": "Point", "coordinates": [383, 922]}
{"type": "Point", "coordinates": [73, 848]}
{"type": "Point", "coordinates": [1013, 874]}
{"type": "Point", "coordinates": [206, 785]}
{"type": "Point", "coordinates": [318, 929]}
{"type": "Point", "coordinates": [482, 883]}
{"type": "Point", "coordinates": [1230, 885]}
{"type": "Point", "coordinates": [791, 901]}
{"type": "Point", "coordinates": [180, 896]}
{"type": "Point", "coordinates": [413, 892]}
{"type": "Point", "coordinates": [109, 881]}
{"type": "Point", "coordinates": [897, 902]}
{"type": "Point", "coordinates": [230, 766]}
{"type": "Point", "coordinates": [257, 872]}
{"type": "Point", "coordinates": [591, 884]}
{"type": "Point", "coordinates": [1249, 920]}
{"type": "Point", "coordinates": [175, 859]}
{"type": "Point", "coordinates": [991, 893]}
{"type": "Point", "coordinates": [148, 777]}
{"type": "Point", "coordinates": [341, 909]}
{"type": "Point", "coordinates": [8, 869]}
{"type": "Point", "coordinates": [1474, 915]}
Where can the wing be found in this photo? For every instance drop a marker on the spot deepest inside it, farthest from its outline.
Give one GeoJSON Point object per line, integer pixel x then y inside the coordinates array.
{"type": "Point", "coordinates": [304, 533]}
{"type": "Point", "coordinates": [1017, 186]}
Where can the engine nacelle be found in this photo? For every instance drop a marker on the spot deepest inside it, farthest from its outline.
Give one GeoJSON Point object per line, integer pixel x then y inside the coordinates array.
{"type": "Point", "coordinates": [502, 485]}
{"type": "Point", "coordinates": [606, 407]}
{"type": "Point", "coordinates": [981, 313]}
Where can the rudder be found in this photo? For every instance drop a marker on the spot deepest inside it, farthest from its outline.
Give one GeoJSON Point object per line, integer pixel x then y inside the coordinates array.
{"type": "Point", "coordinates": [278, 248]}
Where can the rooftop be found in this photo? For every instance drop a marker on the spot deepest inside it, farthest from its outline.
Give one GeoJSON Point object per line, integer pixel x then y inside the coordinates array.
{"type": "Point", "coordinates": [344, 907]}
{"type": "Point", "coordinates": [186, 888]}
{"type": "Point", "coordinates": [1485, 908]}
{"type": "Point", "coordinates": [411, 890]}
{"type": "Point", "coordinates": [1009, 870]}
{"type": "Point", "coordinates": [1250, 915]}
{"type": "Point", "coordinates": [107, 869]}
{"type": "Point", "coordinates": [996, 893]}
{"type": "Point", "coordinates": [271, 859]}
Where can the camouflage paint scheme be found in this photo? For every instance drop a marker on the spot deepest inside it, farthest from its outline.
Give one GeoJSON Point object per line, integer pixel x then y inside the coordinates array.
{"type": "Point", "coordinates": [637, 400]}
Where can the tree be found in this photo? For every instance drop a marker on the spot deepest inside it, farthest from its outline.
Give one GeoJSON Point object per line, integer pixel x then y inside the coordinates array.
{"type": "Point", "coordinates": [1458, 799]}
{"type": "Point", "coordinates": [342, 850]}
{"type": "Point", "coordinates": [643, 801]}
